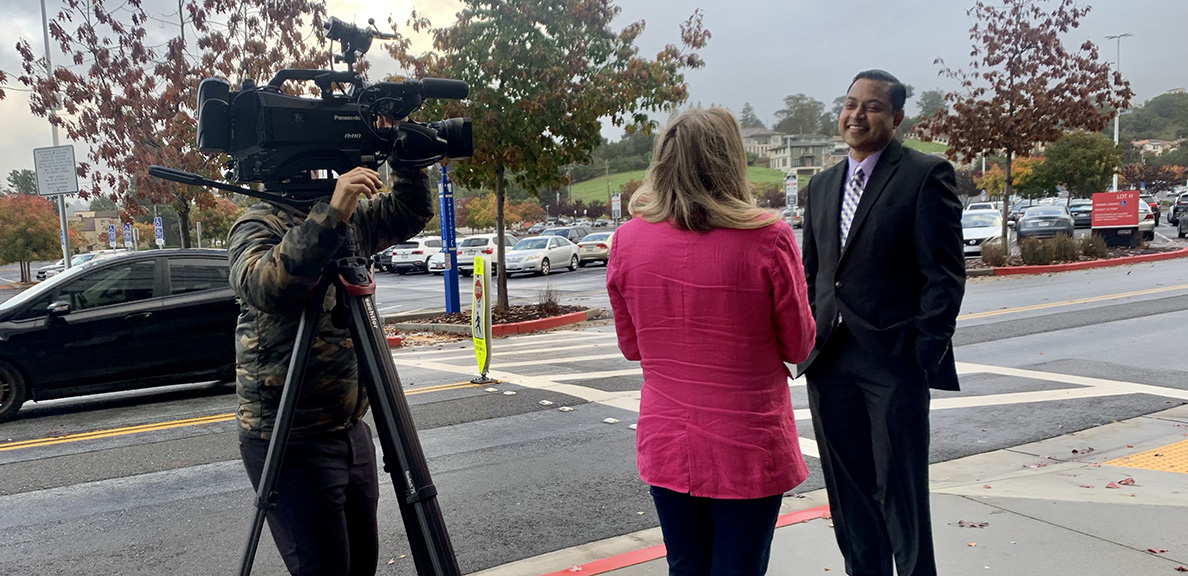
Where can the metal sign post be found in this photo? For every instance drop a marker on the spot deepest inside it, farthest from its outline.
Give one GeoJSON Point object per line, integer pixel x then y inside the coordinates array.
{"type": "Point", "coordinates": [111, 235]}
{"type": "Point", "coordinates": [445, 219]}
{"type": "Point", "coordinates": [791, 191]}
{"type": "Point", "coordinates": [480, 318]}
{"type": "Point", "coordinates": [616, 207]}
{"type": "Point", "coordinates": [127, 235]}
{"type": "Point", "coordinates": [57, 175]}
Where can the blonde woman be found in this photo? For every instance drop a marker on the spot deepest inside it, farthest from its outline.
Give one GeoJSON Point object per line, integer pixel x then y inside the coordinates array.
{"type": "Point", "coordinates": [709, 295]}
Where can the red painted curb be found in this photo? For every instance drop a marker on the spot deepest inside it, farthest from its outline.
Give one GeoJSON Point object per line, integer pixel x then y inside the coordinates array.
{"type": "Point", "coordinates": [1007, 271]}
{"type": "Point", "coordinates": [658, 551]}
{"type": "Point", "coordinates": [533, 325]}
{"type": "Point", "coordinates": [394, 341]}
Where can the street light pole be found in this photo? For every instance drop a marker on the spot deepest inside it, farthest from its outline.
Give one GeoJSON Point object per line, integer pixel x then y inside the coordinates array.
{"type": "Point", "coordinates": [1118, 69]}
{"type": "Point", "coordinates": [54, 107]}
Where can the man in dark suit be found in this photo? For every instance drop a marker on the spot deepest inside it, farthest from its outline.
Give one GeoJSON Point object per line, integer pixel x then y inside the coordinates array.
{"type": "Point", "coordinates": [886, 274]}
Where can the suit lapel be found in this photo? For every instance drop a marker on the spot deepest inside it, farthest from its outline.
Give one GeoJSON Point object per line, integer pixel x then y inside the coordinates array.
{"type": "Point", "coordinates": [829, 232]}
{"type": "Point", "coordinates": [883, 171]}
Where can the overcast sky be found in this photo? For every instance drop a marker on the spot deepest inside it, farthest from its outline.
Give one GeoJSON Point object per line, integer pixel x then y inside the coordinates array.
{"type": "Point", "coordinates": [761, 50]}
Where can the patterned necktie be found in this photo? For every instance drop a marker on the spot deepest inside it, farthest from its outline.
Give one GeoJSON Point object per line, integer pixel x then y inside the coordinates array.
{"type": "Point", "coordinates": [850, 204]}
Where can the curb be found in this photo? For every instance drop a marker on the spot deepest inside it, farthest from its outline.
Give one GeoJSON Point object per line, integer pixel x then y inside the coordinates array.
{"type": "Point", "coordinates": [502, 329]}
{"type": "Point", "coordinates": [1042, 269]}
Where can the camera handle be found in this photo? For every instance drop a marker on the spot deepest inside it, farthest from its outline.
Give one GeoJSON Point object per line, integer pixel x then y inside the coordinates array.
{"type": "Point", "coordinates": [183, 177]}
{"type": "Point", "coordinates": [404, 460]}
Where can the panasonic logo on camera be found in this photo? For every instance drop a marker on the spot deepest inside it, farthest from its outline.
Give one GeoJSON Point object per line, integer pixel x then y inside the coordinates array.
{"type": "Point", "coordinates": [352, 118]}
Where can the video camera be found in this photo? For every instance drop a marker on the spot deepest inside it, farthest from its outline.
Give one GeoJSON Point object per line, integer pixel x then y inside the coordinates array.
{"type": "Point", "coordinates": [278, 139]}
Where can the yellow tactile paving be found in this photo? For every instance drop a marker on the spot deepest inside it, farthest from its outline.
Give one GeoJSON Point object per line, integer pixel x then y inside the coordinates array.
{"type": "Point", "coordinates": [1170, 458]}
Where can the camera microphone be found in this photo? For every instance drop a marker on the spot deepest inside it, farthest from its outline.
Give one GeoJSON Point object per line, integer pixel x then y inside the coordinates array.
{"type": "Point", "coordinates": [444, 88]}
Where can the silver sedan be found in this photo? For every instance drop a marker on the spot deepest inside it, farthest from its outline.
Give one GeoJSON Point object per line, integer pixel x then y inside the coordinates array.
{"type": "Point", "coordinates": [538, 255]}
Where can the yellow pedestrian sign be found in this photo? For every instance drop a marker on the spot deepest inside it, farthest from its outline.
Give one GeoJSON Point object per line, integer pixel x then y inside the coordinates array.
{"type": "Point", "coordinates": [480, 317]}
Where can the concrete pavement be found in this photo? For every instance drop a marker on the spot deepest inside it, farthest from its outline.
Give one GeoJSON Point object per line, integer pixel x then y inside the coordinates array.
{"type": "Point", "coordinates": [1106, 501]}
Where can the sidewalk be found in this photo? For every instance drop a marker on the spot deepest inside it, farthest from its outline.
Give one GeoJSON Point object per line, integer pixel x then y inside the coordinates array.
{"type": "Point", "coordinates": [1108, 501]}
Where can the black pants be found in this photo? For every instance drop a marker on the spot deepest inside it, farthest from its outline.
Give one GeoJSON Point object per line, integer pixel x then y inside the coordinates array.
{"type": "Point", "coordinates": [870, 415]}
{"type": "Point", "coordinates": [718, 537]}
{"type": "Point", "coordinates": [324, 522]}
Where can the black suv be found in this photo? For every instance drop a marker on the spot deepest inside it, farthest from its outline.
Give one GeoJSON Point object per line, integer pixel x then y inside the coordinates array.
{"type": "Point", "coordinates": [1177, 209]}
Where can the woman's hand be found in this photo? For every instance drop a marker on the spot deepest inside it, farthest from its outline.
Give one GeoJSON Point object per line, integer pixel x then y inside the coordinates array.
{"type": "Point", "coordinates": [361, 180]}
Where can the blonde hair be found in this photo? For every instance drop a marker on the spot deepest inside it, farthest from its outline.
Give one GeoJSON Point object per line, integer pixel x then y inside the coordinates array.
{"type": "Point", "coordinates": [698, 176]}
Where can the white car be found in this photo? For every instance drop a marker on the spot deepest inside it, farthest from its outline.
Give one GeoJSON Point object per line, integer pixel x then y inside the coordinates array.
{"type": "Point", "coordinates": [979, 227]}
{"type": "Point", "coordinates": [540, 254]}
{"type": "Point", "coordinates": [481, 245]}
{"type": "Point", "coordinates": [412, 255]}
{"type": "Point", "coordinates": [982, 206]}
{"type": "Point", "coordinates": [595, 248]}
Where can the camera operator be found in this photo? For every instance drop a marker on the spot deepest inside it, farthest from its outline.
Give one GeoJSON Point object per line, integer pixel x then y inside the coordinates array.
{"type": "Point", "coordinates": [324, 521]}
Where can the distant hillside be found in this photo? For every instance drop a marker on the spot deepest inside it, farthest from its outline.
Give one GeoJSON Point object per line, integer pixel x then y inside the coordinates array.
{"type": "Point", "coordinates": [595, 189]}
{"type": "Point", "coordinates": [925, 147]}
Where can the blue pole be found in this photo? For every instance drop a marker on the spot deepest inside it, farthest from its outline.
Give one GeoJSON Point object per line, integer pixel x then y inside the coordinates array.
{"type": "Point", "coordinates": [445, 218]}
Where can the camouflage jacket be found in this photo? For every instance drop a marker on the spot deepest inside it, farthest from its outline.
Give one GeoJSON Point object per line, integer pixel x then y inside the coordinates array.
{"type": "Point", "coordinates": [277, 254]}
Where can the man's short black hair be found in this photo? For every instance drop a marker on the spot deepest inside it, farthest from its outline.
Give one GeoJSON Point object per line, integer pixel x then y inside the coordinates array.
{"type": "Point", "coordinates": [898, 92]}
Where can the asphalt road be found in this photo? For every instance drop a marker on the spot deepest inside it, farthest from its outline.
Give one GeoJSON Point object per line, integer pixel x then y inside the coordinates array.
{"type": "Point", "coordinates": [81, 491]}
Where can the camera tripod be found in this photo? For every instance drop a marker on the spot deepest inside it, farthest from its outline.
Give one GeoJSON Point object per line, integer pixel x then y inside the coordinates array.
{"type": "Point", "coordinates": [403, 458]}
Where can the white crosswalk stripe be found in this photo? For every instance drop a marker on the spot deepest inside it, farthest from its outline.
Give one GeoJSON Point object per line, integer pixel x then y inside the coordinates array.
{"type": "Point", "coordinates": [516, 352]}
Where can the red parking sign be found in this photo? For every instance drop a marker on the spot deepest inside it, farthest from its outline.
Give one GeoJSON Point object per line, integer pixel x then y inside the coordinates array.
{"type": "Point", "coordinates": [1116, 209]}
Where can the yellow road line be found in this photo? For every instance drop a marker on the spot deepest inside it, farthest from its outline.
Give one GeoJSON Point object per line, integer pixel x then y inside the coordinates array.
{"type": "Point", "coordinates": [1070, 302]}
{"type": "Point", "coordinates": [114, 432]}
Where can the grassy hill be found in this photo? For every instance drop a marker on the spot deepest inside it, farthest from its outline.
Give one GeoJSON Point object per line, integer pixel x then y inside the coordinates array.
{"type": "Point", "coordinates": [595, 188]}
{"type": "Point", "coordinates": [925, 147]}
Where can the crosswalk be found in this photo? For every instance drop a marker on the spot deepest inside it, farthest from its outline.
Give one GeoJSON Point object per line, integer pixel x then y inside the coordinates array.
{"type": "Point", "coordinates": [520, 360]}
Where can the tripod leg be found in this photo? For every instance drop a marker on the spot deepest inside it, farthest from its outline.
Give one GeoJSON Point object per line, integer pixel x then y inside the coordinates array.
{"type": "Point", "coordinates": [404, 459]}
{"type": "Point", "coordinates": [265, 496]}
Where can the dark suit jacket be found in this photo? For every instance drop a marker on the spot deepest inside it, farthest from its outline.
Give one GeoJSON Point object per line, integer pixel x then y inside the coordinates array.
{"type": "Point", "coordinates": [899, 282]}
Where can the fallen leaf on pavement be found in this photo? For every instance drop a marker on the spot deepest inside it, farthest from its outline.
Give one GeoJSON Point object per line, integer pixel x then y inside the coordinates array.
{"type": "Point", "coordinates": [964, 524]}
{"type": "Point", "coordinates": [1095, 465]}
{"type": "Point", "coordinates": [575, 568]}
{"type": "Point", "coordinates": [1126, 482]}
{"type": "Point", "coordinates": [392, 561]}
{"type": "Point", "coordinates": [1130, 445]}
{"type": "Point", "coordinates": [1112, 486]}
{"type": "Point", "coordinates": [1085, 486]}
{"type": "Point", "coordinates": [1156, 550]}
{"type": "Point", "coordinates": [1083, 450]}
{"type": "Point", "coordinates": [986, 486]}
{"type": "Point", "coordinates": [1181, 568]}
{"type": "Point", "coordinates": [971, 544]}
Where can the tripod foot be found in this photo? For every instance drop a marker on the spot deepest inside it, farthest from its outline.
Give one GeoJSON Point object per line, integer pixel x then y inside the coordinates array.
{"type": "Point", "coordinates": [482, 379]}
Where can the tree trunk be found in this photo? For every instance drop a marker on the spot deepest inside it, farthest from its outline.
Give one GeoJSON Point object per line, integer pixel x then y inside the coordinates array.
{"type": "Point", "coordinates": [183, 221]}
{"type": "Point", "coordinates": [501, 277]}
{"type": "Point", "coordinates": [1006, 203]}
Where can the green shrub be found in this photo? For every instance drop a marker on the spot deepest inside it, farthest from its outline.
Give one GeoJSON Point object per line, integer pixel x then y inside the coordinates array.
{"type": "Point", "coordinates": [1094, 246]}
{"type": "Point", "coordinates": [1064, 248]}
{"type": "Point", "coordinates": [1035, 252]}
{"type": "Point", "coordinates": [993, 254]}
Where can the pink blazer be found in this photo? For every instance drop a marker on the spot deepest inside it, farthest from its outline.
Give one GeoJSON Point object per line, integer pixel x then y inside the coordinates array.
{"type": "Point", "coordinates": [712, 318]}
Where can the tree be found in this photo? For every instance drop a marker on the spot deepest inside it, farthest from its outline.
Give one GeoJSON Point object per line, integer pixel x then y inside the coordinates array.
{"type": "Point", "coordinates": [132, 101]}
{"type": "Point", "coordinates": [967, 182]}
{"type": "Point", "coordinates": [542, 75]}
{"type": "Point", "coordinates": [28, 231]}
{"type": "Point", "coordinates": [932, 102]}
{"type": "Point", "coordinates": [748, 119]}
{"type": "Point", "coordinates": [1027, 178]}
{"type": "Point", "coordinates": [1023, 87]}
{"type": "Point", "coordinates": [1152, 177]}
{"type": "Point", "coordinates": [992, 181]}
{"type": "Point", "coordinates": [22, 182]}
{"type": "Point", "coordinates": [1083, 162]}
{"type": "Point", "coordinates": [218, 218]}
{"type": "Point", "coordinates": [800, 115]}
{"type": "Point", "coordinates": [102, 202]}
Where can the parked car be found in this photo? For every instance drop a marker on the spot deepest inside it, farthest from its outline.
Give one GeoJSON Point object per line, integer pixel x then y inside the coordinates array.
{"type": "Point", "coordinates": [56, 268]}
{"type": "Point", "coordinates": [539, 254]}
{"type": "Point", "coordinates": [1081, 212]}
{"type": "Point", "coordinates": [1182, 228]}
{"type": "Point", "coordinates": [573, 233]}
{"type": "Point", "coordinates": [595, 248]}
{"type": "Point", "coordinates": [1146, 224]}
{"type": "Point", "coordinates": [1153, 204]}
{"type": "Point", "coordinates": [1177, 209]}
{"type": "Point", "coordinates": [982, 206]}
{"type": "Point", "coordinates": [602, 223]}
{"type": "Point", "coordinates": [1017, 211]}
{"type": "Point", "coordinates": [480, 244]}
{"type": "Point", "coordinates": [793, 216]}
{"type": "Point", "coordinates": [130, 321]}
{"type": "Point", "coordinates": [979, 227]}
{"type": "Point", "coordinates": [411, 255]}
{"type": "Point", "coordinates": [1044, 221]}
{"type": "Point", "coordinates": [536, 229]}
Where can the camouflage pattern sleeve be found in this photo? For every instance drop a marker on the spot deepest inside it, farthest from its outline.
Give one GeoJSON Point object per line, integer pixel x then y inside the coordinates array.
{"type": "Point", "coordinates": [396, 216]}
{"type": "Point", "coordinates": [277, 253]}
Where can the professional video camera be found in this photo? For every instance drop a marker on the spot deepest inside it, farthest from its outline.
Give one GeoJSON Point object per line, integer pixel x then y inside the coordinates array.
{"type": "Point", "coordinates": [280, 139]}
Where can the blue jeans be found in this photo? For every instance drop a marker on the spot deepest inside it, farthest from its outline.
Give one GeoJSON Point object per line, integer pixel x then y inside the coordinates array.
{"type": "Point", "coordinates": [716, 537]}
